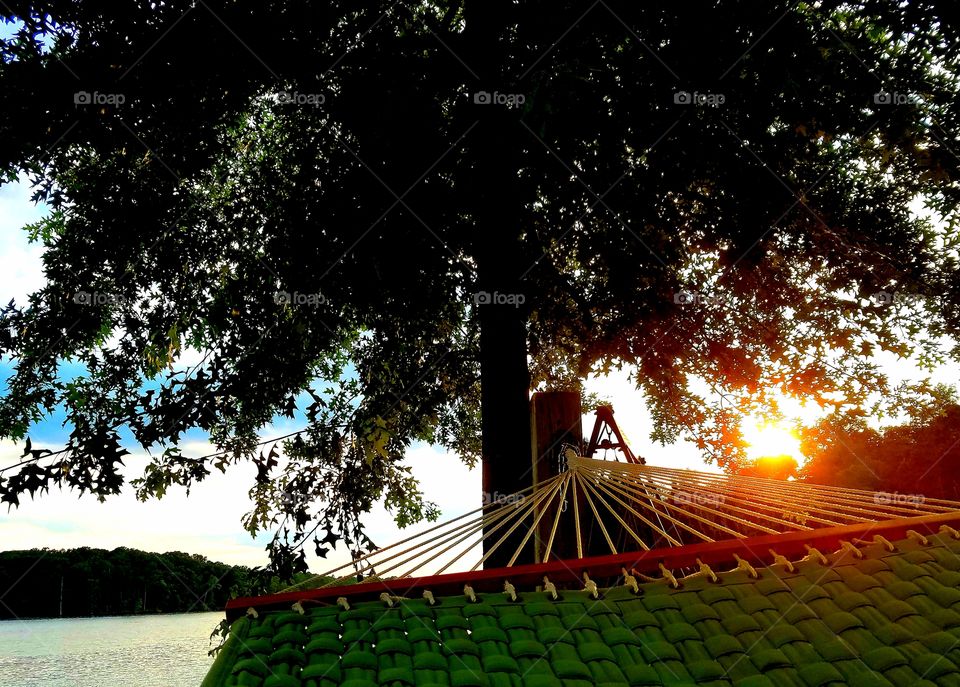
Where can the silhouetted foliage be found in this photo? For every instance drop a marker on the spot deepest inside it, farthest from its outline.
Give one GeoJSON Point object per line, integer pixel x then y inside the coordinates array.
{"type": "Point", "coordinates": [770, 467]}
{"type": "Point", "coordinates": [915, 458]}
{"type": "Point", "coordinates": [121, 582]}
{"type": "Point", "coordinates": [920, 459]}
{"type": "Point", "coordinates": [366, 209]}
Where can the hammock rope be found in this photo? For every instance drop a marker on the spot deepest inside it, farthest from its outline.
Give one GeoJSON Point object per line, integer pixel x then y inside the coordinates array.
{"type": "Point", "coordinates": [633, 503]}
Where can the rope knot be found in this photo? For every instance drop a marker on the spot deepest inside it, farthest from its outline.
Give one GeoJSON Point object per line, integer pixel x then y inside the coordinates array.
{"type": "Point", "coordinates": [705, 570]}
{"type": "Point", "coordinates": [745, 566]}
{"type": "Point", "coordinates": [590, 586]}
{"type": "Point", "coordinates": [879, 539]}
{"type": "Point", "coordinates": [849, 547]}
{"type": "Point", "coordinates": [814, 553]}
{"type": "Point", "coordinates": [550, 588]}
{"type": "Point", "coordinates": [781, 560]}
{"type": "Point", "coordinates": [668, 576]}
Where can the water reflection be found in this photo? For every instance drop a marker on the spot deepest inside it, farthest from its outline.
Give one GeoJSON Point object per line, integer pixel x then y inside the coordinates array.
{"type": "Point", "coordinates": [148, 651]}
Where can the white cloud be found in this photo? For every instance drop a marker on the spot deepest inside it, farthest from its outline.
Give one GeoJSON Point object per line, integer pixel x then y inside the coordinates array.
{"type": "Point", "coordinates": [21, 269]}
{"type": "Point", "coordinates": [444, 479]}
{"type": "Point", "coordinates": [207, 522]}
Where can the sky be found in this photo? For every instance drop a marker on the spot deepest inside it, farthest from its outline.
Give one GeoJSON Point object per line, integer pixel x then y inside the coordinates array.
{"type": "Point", "coordinates": [208, 520]}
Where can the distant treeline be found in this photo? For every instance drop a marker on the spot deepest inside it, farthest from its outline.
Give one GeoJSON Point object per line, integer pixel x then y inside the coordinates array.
{"type": "Point", "coordinates": [87, 582]}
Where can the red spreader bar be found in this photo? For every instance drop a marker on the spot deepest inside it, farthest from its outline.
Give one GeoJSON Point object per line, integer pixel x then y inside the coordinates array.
{"type": "Point", "coordinates": [755, 550]}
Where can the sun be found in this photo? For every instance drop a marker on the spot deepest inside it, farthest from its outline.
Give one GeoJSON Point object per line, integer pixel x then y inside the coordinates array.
{"type": "Point", "coordinates": [770, 439]}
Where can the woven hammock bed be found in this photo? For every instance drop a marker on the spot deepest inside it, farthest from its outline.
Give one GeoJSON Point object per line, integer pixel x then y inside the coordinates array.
{"type": "Point", "coordinates": [704, 579]}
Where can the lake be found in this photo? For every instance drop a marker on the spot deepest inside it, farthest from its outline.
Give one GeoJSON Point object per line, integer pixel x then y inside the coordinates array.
{"type": "Point", "coordinates": [147, 651]}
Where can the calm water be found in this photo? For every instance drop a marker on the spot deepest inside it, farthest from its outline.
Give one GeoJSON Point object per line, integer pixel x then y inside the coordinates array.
{"type": "Point", "coordinates": [146, 651]}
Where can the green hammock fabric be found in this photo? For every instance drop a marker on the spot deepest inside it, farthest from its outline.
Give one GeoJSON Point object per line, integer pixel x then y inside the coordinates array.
{"type": "Point", "coordinates": [890, 618]}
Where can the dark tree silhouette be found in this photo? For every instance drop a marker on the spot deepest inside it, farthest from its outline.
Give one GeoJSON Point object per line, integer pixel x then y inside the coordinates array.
{"type": "Point", "coordinates": [82, 582]}
{"type": "Point", "coordinates": [906, 462]}
{"type": "Point", "coordinates": [400, 217]}
{"type": "Point", "coordinates": [770, 467]}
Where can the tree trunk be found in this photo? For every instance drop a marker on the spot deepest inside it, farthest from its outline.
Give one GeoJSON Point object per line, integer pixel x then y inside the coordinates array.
{"type": "Point", "coordinates": [500, 298]}
{"type": "Point", "coordinates": [504, 375]}
{"type": "Point", "coordinates": [504, 404]}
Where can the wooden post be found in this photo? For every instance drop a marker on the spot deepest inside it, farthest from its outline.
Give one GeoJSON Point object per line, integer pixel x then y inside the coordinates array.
{"type": "Point", "coordinates": [555, 420]}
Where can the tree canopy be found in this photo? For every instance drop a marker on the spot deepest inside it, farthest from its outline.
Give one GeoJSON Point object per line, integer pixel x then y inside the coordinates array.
{"type": "Point", "coordinates": [905, 462]}
{"type": "Point", "coordinates": [391, 216]}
